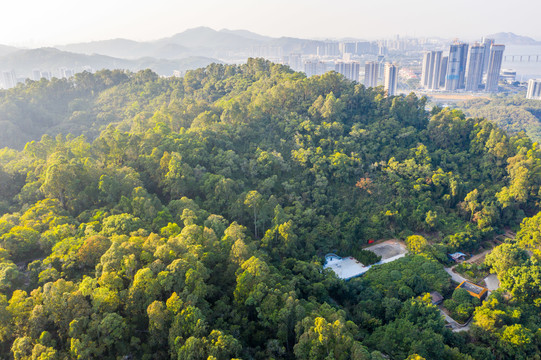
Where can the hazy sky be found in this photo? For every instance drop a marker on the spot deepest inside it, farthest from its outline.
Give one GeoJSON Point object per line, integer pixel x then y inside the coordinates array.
{"type": "Point", "coordinates": [49, 22]}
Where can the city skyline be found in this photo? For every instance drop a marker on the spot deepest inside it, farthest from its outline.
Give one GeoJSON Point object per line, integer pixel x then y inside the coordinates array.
{"type": "Point", "coordinates": [32, 23]}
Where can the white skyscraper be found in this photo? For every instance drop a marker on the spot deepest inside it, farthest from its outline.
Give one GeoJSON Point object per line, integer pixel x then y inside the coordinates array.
{"type": "Point", "coordinates": [494, 67]}
{"type": "Point", "coordinates": [349, 69]}
{"type": "Point", "coordinates": [312, 68]}
{"type": "Point", "coordinates": [8, 79]}
{"type": "Point", "coordinates": [36, 75]}
{"type": "Point", "coordinates": [295, 62]}
{"type": "Point", "coordinates": [456, 66]}
{"type": "Point", "coordinates": [443, 71]}
{"type": "Point", "coordinates": [430, 76]}
{"type": "Point", "coordinates": [534, 89]}
{"type": "Point", "coordinates": [487, 43]}
{"type": "Point", "coordinates": [474, 68]}
{"type": "Point", "coordinates": [391, 79]}
{"type": "Point", "coordinates": [328, 49]}
{"type": "Point", "coordinates": [371, 72]}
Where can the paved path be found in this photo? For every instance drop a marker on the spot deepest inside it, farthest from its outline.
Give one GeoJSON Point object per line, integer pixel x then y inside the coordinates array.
{"type": "Point", "coordinates": [456, 277]}
{"type": "Point", "coordinates": [492, 282]}
{"type": "Point", "coordinates": [478, 256]}
{"type": "Point", "coordinates": [455, 327]}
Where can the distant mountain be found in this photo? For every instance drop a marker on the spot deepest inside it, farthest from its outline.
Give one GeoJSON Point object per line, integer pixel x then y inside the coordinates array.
{"type": "Point", "coordinates": [4, 49]}
{"type": "Point", "coordinates": [51, 59]}
{"type": "Point", "coordinates": [247, 34]}
{"type": "Point", "coordinates": [128, 49]}
{"type": "Point", "coordinates": [509, 38]}
{"type": "Point", "coordinates": [200, 41]}
{"type": "Point", "coordinates": [204, 37]}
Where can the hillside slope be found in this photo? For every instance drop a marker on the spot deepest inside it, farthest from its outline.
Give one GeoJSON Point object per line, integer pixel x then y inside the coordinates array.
{"type": "Point", "coordinates": [194, 225]}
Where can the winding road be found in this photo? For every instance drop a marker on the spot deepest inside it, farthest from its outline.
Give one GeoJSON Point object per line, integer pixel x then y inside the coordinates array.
{"type": "Point", "coordinates": [492, 284]}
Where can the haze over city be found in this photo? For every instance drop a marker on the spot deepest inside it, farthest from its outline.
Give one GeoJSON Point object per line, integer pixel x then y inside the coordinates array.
{"type": "Point", "coordinates": [37, 23]}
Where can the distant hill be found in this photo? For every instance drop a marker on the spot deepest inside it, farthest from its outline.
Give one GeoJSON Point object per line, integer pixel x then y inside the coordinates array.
{"type": "Point", "coordinates": [190, 49]}
{"type": "Point", "coordinates": [128, 49]}
{"type": "Point", "coordinates": [513, 114]}
{"type": "Point", "coordinates": [247, 34]}
{"type": "Point", "coordinates": [4, 49]}
{"type": "Point", "coordinates": [50, 59]}
{"type": "Point", "coordinates": [200, 41]}
{"type": "Point", "coordinates": [201, 38]}
{"type": "Point", "coordinates": [509, 38]}
{"type": "Point", "coordinates": [204, 37]}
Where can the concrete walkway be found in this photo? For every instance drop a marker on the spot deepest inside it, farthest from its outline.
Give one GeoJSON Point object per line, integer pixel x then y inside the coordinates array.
{"type": "Point", "coordinates": [482, 255]}
{"type": "Point", "coordinates": [455, 327]}
{"type": "Point", "coordinates": [492, 282]}
{"type": "Point", "coordinates": [454, 276]}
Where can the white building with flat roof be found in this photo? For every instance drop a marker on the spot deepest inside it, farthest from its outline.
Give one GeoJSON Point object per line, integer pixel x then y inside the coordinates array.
{"type": "Point", "coordinates": [344, 268]}
{"type": "Point", "coordinates": [391, 79]}
{"type": "Point", "coordinates": [534, 89]}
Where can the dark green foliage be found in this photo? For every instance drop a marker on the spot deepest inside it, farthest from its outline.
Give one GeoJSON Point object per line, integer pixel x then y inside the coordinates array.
{"type": "Point", "coordinates": [192, 219]}
{"type": "Point", "coordinates": [461, 305]}
{"type": "Point", "coordinates": [407, 277]}
{"type": "Point", "coordinates": [514, 114]}
{"type": "Point", "coordinates": [366, 257]}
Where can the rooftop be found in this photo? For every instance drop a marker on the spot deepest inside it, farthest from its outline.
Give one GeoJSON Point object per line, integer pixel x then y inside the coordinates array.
{"type": "Point", "coordinates": [349, 267]}
{"type": "Point", "coordinates": [473, 289]}
{"type": "Point", "coordinates": [344, 268]}
{"type": "Point", "coordinates": [437, 298]}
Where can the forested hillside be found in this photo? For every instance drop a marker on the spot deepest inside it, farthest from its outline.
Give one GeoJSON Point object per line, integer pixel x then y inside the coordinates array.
{"type": "Point", "coordinates": [513, 114]}
{"type": "Point", "coordinates": [194, 225]}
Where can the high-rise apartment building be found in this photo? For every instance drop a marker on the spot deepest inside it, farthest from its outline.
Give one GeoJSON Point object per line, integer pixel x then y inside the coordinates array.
{"type": "Point", "coordinates": [443, 71]}
{"type": "Point", "coordinates": [391, 79]}
{"type": "Point", "coordinates": [328, 49]}
{"type": "Point", "coordinates": [487, 43]}
{"type": "Point", "coordinates": [494, 67]}
{"type": "Point", "coordinates": [474, 67]}
{"type": "Point", "coordinates": [534, 89]}
{"type": "Point", "coordinates": [425, 71]}
{"type": "Point", "coordinates": [294, 61]}
{"type": "Point", "coordinates": [312, 68]}
{"type": "Point", "coordinates": [65, 73]}
{"type": "Point", "coordinates": [347, 47]}
{"type": "Point", "coordinates": [430, 76]}
{"type": "Point", "coordinates": [36, 75]}
{"type": "Point", "coordinates": [456, 66]}
{"type": "Point", "coordinates": [371, 72]}
{"type": "Point", "coordinates": [349, 69]}
{"type": "Point", "coordinates": [8, 79]}
{"type": "Point", "coordinates": [365, 47]}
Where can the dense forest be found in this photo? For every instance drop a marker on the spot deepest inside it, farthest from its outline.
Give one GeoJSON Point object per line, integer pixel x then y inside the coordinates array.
{"type": "Point", "coordinates": [191, 220]}
{"type": "Point", "coordinates": [511, 113]}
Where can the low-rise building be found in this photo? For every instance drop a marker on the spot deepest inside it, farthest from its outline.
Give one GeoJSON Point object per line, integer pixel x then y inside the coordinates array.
{"type": "Point", "coordinates": [344, 268]}
{"type": "Point", "coordinates": [474, 289]}
{"type": "Point", "coordinates": [436, 297]}
{"type": "Point", "coordinates": [457, 257]}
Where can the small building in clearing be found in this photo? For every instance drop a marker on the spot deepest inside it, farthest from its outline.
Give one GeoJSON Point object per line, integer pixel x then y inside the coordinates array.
{"type": "Point", "coordinates": [436, 298]}
{"type": "Point", "coordinates": [474, 289]}
{"type": "Point", "coordinates": [457, 257]}
{"type": "Point", "coordinates": [344, 268]}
